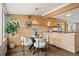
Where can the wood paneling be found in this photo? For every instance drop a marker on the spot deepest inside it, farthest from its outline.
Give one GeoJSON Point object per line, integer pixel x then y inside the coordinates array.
{"type": "Point", "coordinates": [41, 25]}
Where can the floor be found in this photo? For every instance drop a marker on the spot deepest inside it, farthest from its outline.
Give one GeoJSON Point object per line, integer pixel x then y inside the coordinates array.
{"type": "Point", "coordinates": [50, 51]}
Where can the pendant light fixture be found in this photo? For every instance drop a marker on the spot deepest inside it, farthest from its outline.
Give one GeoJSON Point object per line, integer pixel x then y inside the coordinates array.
{"type": "Point", "coordinates": [36, 11]}
{"type": "Point", "coordinates": [35, 21]}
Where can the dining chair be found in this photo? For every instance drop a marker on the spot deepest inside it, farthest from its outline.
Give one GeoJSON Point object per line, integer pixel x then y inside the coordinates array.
{"type": "Point", "coordinates": [39, 44]}
{"type": "Point", "coordinates": [25, 41]}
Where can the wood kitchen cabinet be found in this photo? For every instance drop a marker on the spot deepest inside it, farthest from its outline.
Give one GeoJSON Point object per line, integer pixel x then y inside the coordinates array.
{"type": "Point", "coordinates": [67, 41]}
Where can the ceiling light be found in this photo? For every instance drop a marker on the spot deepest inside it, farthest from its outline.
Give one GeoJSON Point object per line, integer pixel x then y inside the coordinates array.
{"type": "Point", "coordinates": [68, 15]}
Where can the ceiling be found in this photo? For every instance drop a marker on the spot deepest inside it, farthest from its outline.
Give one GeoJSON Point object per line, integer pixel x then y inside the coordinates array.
{"type": "Point", "coordinates": [29, 8]}
{"type": "Point", "coordinates": [72, 15]}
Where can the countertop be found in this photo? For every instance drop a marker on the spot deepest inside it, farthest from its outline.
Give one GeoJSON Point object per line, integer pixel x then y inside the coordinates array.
{"type": "Point", "coordinates": [62, 32]}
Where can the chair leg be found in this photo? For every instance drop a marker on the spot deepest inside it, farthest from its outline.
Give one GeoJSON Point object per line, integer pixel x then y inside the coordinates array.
{"type": "Point", "coordinates": [33, 50]}
{"type": "Point", "coordinates": [31, 46]}
{"type": "Point", "coordinates": [42, 49]}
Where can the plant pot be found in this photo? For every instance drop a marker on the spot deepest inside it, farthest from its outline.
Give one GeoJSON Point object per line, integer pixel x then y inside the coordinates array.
{"type": "Point", "coordinates": [11, 45]}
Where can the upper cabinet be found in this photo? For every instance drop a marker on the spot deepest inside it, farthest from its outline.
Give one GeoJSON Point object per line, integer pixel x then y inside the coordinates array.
{"type": "Point", "coordinates": [53, 23]}
{"type": "Point", "coordinates": [57, 23]}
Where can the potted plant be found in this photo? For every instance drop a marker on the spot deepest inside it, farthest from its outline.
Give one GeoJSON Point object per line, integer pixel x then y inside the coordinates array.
{"type": "Point", "coordinates": [11, 29]}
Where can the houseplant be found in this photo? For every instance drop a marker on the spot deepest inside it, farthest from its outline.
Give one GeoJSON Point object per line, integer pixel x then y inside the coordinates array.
{"type": "Point", "coordinates": [11, 29]}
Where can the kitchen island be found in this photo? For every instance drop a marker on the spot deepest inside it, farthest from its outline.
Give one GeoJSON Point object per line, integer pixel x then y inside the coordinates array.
{"type": "Point", "coordinates": [67, 41]}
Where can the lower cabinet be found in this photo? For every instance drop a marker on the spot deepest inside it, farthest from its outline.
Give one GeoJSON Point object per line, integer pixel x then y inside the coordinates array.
{"type": "Point", "coordinates": [63, 40]}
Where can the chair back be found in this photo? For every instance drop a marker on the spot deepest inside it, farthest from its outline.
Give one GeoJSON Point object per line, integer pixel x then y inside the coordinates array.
{"type": "Point", "coordinates": [46, 37]}
{"type": "Point", "coordinates": [40, 43]}
{"type": "Point", "coordinates": [25, 41]}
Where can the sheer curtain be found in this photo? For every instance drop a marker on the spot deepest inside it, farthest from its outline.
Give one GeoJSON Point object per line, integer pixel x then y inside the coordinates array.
{"type": "Point", "coordinates": [0, 23]}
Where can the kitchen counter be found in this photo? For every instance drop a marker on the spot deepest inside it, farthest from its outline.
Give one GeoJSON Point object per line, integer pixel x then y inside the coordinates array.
{"type": "Point", "coordinates": [67, 41]}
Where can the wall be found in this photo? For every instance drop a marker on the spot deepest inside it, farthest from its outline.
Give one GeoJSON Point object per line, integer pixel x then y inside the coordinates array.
{"type": "Point", "coordinates": [38, 22]}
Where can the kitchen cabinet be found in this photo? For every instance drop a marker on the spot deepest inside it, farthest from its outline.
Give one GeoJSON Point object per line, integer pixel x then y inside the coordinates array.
{"type": "Point", "coordinates": [67, 41]}
{"type": "Point", "coordinates": [55, 24]}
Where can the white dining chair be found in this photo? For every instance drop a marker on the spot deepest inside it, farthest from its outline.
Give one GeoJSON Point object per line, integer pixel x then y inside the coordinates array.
{"type": "Point", "coordinates": [40, 43]}
{"type": "Point", "coordinates": [46, 37]}
{"type": "Point", "coordinates": [25, 41]}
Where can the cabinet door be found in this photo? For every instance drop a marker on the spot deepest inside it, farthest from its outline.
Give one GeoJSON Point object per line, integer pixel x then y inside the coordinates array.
{"type": "Point", "coordinates": [63, 40]}
{"type": "Point", "coordinates": [53, 23]}
{"type": "Point", "coordinates": [52, 39]}
{"type": "Point", "coordinates": [69, 42]}
{"type": "Point", "coordinates": [58, 40]}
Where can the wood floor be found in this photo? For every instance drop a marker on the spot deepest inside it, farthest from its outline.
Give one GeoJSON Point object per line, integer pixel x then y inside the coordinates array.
{"type": "Point", "coordinates": [50, 51]}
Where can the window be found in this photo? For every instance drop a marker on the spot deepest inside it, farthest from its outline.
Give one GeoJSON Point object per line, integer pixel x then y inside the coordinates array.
{"type": "Point", "coordinates": [3, 24]}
